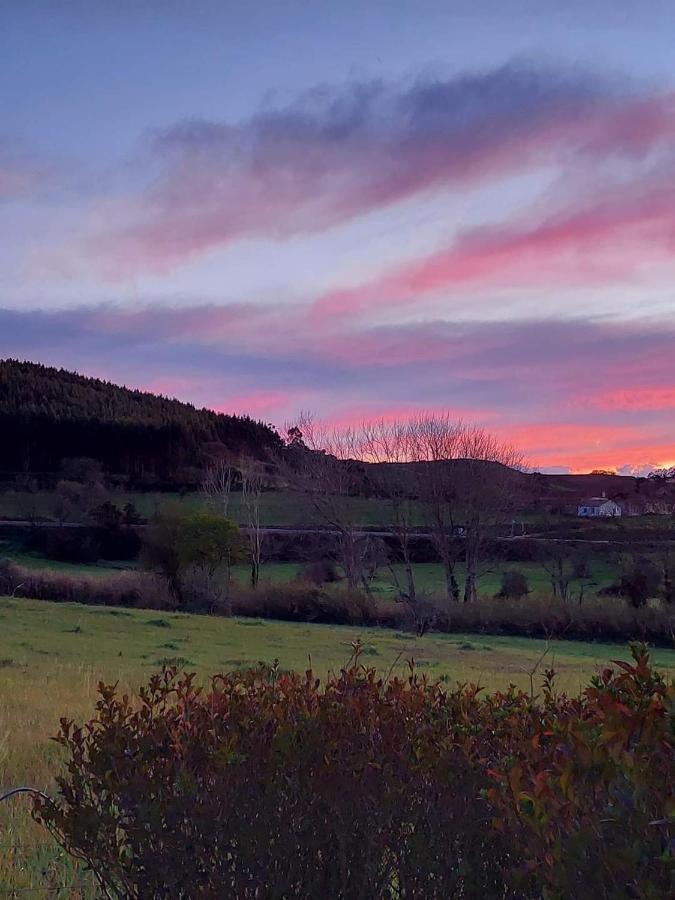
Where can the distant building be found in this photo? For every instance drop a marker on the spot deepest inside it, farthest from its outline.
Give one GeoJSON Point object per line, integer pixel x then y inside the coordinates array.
{"type": "Point", "coordinates": [598, 506]}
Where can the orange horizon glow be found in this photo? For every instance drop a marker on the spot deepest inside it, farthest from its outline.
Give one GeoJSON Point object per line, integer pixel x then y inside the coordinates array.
{"type": "Point", "coordinates": [543, 445]}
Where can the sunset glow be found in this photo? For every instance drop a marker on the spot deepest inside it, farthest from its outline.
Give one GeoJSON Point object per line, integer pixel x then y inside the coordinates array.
{"type": "Point", "coordinates": [473, 212]}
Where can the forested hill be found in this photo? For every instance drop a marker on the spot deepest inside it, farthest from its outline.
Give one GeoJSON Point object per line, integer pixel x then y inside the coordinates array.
{"type": "Point", "coordinates": [48, 415]}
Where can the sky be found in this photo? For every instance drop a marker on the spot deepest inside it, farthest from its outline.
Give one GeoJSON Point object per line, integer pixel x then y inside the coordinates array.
{"type": "Point", "coordinates": [362, 209]}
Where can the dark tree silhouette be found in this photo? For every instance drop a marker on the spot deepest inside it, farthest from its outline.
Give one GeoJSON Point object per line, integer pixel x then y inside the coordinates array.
{"type": "Point", "coordinates": [49, 415]}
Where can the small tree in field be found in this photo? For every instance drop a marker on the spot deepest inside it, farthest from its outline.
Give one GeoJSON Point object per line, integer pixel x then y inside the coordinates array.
{"type": "Point", "coordinates": [564, 564]}
{"type": "Point", "coordinates": [640, 580]}
{"type": "Point", "coordinates": [223, 476]}
{"type": "Point", "coordinates": [488, 484]}
{"type": "Point", "coordinates": [194, 551]}
{"type": "Point", "coordinates": [514, 585]}
{"type": "Point", "coordinates": [434, 443]}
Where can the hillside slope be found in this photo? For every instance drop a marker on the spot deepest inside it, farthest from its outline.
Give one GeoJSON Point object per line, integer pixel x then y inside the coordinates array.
{"type": "Point", "coordinates": [48, 414]}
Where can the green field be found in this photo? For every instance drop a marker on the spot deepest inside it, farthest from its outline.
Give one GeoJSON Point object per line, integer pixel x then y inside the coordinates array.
{"type": "Point", "coordinates": [276, 507]}
{"type": "Point", "coordinates": [282, 507]}
{"type": "Point", "coordinates": [294, 509]}
{"type": "Point", "coordinates": [285, 508]}
{"type": "Point", "coordinates": [52, 656]}
{"type": "Point", "coordinates": [430, 577]}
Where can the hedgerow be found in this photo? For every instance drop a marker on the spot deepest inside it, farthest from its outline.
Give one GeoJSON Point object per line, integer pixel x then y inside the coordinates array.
{"type": "Point", "coordinates": [268, 785]}
{"type": "Point", "coordinates": [597, 618]}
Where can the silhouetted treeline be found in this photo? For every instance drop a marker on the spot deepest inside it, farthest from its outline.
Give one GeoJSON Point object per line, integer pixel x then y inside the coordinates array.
{"type": "Point", "coordinates": [48, 415]}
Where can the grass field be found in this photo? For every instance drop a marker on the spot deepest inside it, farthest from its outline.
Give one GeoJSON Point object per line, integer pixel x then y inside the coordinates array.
{"type": "Point", "coordinates": [276, 507]}
{"type": "Point", "coordinates": [288, 508]}
{"type": "Point", "coordinates": [430, 577]}
{"type": "Point", "coordinates": [52, 656]}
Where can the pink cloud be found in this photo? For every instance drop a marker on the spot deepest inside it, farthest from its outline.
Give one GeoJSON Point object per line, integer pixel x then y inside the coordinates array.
{"type": "Point", "coordinates": [338, 153]}
{"type": "Point", "coordinates": [202, 323]}
{"type": "Point", "coordinates": [632, 399]}
{"type": "Point", "coordinates": [259, 403]}
{"type": "Point", "coordinates": [610, 242]}
{"type": "Point", "coordinates": [359, 412]}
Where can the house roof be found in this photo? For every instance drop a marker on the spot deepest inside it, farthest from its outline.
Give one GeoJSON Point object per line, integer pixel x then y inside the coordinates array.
{"type": "Point", "coordinates": [595, 501]}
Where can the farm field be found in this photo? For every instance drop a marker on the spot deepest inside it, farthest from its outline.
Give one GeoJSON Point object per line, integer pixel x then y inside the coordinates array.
{"type": "Point", "coordinates": [42, 563]}
{"type": "Point", "coordinates": [52, 656]}
{"type": "Point", "coordinates": [290, 509]}
{"type": "Point", "coordinates": [276, 507]}
{"type": "Point", "coordinates": [430, 577]}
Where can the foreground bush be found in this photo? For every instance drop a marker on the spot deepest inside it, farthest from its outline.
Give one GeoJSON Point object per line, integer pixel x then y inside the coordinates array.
{"type": "Point", "coordinates": [267, 786]}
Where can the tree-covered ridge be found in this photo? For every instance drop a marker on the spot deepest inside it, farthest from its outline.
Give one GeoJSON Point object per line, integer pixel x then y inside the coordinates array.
{"type": "Point", "coordinates": [48, 414]}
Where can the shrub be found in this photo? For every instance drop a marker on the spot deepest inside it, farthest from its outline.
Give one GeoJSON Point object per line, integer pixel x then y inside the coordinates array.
{"type": "Point", "coordinates": [84, 544]}
{"type": "Point", "coordinates": [66, 545]}
{"type": "Point", "coordinates": [640, 580]}
{"type": "Point", "coordinates": [600, 618]}
{"type": "Point", "coordinates": [321, 571]}
{"type": "Point", "coordinates": [126, 589]}
{"type": "Point", "coordinates": [534, 616]}
{"type": "Point", "coordinates": [582, 568]}
{"type": "Point", "coordinates": [306, 603]}
{"type": "Point", "coordinates": [593, 787]}
{"type": "Point", "coordinates": [522, 550]}
{"type": "Point", "coordinates": [514, 585]}
{"type": "Point", "coordinates": [194, 552]}
{"type": "Point", "coordinates": [266, 785]}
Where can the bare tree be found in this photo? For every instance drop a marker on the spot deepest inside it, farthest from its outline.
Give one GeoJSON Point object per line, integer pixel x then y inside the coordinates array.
{"type": "Point", "coordinates": [559, 566]}
{"type": "Point", "coordinates": [434, 446]}
{"type": "Point", "coordinates": [253, 477]}
{"type": "Point", "coordinates": [488, 479]}
{"type": "Point", "coordinates": [564, 564]}
{"type": "Point", "coordinates": [323, 465]}
{"type": "Point", "coordinates": [218, 483]}
{"type": "Point", "coordinates": [465, 480]}
{"type": "Point", "coordinates": [460, 477]}
{"type": "Point", "coordinates": [387, 446]}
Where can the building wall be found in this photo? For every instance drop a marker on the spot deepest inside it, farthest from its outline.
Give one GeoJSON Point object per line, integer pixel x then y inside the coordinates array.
{"type": "Point", "coordinates": [607, 510]}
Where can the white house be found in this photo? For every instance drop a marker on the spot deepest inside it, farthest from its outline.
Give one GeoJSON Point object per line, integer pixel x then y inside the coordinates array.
{"type": "Point", "coordinates": [598, 506]}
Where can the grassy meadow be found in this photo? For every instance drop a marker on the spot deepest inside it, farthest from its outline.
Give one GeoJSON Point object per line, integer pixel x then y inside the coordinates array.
{"type": "Point", "coordinates": [430, 577]}
{"type": "Point", "coordinates": [287, 508]}
{"type": "Point", "coordinates": [52, 656]}
{"type": "Point", "coordinates": [284, 508]}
